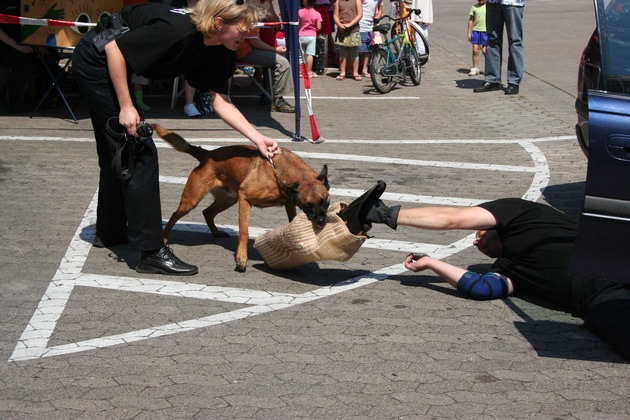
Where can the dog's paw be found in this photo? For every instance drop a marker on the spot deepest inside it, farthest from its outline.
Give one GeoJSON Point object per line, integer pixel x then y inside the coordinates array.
{"type": "Point", "coordinates": [241, 264]}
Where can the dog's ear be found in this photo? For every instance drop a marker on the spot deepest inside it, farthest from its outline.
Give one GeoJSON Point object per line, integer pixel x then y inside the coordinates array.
{"type": "Point", "coordinates": [323, 177]}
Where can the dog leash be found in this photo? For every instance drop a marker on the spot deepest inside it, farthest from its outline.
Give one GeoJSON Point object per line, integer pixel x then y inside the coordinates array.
{"type": "Point", "coordinates": [144, 131]}
{"type": "Point", "coordinates": [271, 161]}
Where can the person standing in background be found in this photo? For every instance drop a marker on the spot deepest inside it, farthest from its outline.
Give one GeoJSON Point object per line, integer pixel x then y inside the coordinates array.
{"type": "Point", "coordinates": [500, 14]}
{"type": "Point", "coordinates": [477, 34]}
{"type": "Point", "coordinates": [347, 15]}
{"type": "Point", "coordinates": [371, 9]}
{"type": "Point", "coordinates": [423, 20]}
{"type": "Point", "coordinates": [310, 22]}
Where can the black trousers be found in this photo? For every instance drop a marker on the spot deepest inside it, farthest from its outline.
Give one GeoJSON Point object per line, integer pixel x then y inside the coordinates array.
{"type": "Point", "coordinates": [605, 307]}
{"type": "Point", "coordinates": [130, 207]}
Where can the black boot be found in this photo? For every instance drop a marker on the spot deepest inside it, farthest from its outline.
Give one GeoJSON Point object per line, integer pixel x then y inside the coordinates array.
{"type": "Point", "coordinates": [164, 261]}
{"type": "Point", "coordinates": [380, 213]}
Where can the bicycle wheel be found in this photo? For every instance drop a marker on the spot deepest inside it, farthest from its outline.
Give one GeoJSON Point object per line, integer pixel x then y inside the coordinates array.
{"type": "Point", "coordinates": [413, 66]}
{"type": "Point", "coordinates": [378, 64]}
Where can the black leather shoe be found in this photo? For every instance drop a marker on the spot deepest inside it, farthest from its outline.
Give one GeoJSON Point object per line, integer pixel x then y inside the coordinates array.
{"type": "Point", "coordinates": [164, 261]}
{"type": "Point", "coordinates": [512, 89]}
{"type": "Point", "coordinates": [487, 87]}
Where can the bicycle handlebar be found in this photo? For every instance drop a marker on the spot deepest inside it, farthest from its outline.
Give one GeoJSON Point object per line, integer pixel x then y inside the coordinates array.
{"type": "Point", "coordinates": [416, 11]}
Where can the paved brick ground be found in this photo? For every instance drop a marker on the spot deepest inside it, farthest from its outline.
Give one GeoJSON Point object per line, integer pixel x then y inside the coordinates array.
{"type": "Point", "coordinates": [83, 337]}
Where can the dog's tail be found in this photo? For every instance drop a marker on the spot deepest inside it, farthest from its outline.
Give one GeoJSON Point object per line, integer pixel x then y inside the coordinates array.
{"type": "Point", "coordinates": [179, 143]}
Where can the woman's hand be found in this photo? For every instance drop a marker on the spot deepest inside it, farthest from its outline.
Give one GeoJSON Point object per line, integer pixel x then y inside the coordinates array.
{"type": "Point", "coordinates": [268, 147]}
{"type": "Point", "coordinates": [130, 119]}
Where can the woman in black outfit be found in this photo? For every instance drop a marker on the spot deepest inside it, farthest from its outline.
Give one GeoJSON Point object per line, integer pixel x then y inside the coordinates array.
{"type": "Point", "coordinates": [161, 43]}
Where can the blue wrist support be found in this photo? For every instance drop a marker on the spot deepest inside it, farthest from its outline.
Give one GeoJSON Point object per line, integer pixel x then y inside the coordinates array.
{"type": "Point", "coordinates": [486, 287]}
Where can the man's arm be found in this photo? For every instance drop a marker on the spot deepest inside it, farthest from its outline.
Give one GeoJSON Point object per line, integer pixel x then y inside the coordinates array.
{"type": "Point", "coordinates": [446, 218]}
{"type": "Point", "coordinates": [262, 45]}
{"type": "Point", "coordinates": [472, 285]}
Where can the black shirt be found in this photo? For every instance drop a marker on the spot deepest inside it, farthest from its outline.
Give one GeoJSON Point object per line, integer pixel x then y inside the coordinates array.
{"type": "Point", "coordinates": [163, 43]}
{"type": "Point", "coordinates": [537, 245]}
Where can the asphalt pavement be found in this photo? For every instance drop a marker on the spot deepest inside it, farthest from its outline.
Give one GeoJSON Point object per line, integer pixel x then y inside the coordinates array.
{"type": "Point", "coordinates": [85, 336]}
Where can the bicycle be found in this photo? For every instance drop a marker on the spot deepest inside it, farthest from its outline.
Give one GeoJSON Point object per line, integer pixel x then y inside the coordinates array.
{"type": "Point", "coordinates": [397, 59]}
{"type": "Point", "coordinates": [413, 28]}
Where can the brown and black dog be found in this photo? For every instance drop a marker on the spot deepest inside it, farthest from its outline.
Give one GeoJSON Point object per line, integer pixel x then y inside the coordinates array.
{"type": "Point", "coordinates": [240, 174]}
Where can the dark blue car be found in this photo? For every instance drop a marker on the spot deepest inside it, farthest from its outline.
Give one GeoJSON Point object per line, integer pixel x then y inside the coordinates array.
{"type": "Point", "coordinates": [603, 245]}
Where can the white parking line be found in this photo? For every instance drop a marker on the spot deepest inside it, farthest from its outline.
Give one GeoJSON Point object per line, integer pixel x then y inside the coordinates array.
{"type": "Point", "coordinates": [33, 342]}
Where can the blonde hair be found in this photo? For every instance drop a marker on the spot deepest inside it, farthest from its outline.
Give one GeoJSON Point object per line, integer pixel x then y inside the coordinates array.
{"type": "Point", "coordinates": [245, 15]}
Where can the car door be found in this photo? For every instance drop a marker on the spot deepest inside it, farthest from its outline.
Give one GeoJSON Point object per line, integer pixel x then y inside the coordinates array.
{"type": "Point", "coordinates": [603, 243]}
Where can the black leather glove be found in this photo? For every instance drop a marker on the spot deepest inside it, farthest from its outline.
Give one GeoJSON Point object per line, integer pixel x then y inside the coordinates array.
{"type": "Point", "coordinates": [380, 213]}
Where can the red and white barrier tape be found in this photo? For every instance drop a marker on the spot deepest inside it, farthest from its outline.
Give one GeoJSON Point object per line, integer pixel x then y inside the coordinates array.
{"type": "Point", "coordinates": [265, 24]}
{"type": "Point", "coordinates": [21, 20]}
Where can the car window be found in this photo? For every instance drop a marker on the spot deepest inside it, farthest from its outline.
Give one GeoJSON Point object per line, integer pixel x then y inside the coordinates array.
{"type": "Point", "coordinates": [613, 23]}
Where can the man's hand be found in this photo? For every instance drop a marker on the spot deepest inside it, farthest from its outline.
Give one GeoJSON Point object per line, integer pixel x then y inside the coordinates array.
{"type": "Point", "coordinates": [417, 262]}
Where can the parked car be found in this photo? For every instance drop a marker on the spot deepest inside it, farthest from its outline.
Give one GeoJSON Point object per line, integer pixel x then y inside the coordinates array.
{"type": "Point", "coordinates": [589, 77]}
{"type": "Point", "coordinates": [603, 106]}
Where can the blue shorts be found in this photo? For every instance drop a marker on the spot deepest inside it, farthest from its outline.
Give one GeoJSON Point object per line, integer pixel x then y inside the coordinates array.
{"type": "Point", "coordinates": [308, 44]}
{"type": "Point", "coordinates": [479, 38]}
{"type": "Point", "coordinates": [367, 39]}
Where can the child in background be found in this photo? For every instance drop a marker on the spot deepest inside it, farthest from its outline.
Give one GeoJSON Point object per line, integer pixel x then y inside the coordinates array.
{"type": "Point", "coordinates": [371, 9]}
{"type": "Point", "coordinates": [310, 23]}
{"type": "Point", "coordinates": [347, 15]}
{"type": "Point", "coordinates": [477, 34]}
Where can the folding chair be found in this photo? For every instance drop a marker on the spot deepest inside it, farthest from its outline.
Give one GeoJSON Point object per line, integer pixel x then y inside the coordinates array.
{"type": "Point", "coordinates": [267, 92]}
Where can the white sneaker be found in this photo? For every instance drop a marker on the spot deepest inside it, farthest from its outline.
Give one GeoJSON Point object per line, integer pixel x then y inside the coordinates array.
{"type": "Point", "coordinates": [474, 71]}
{"type": "Point", "coordinates": [191, 110]}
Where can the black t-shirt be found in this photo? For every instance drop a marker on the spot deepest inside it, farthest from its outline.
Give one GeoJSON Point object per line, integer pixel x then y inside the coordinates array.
{"type": "Point", "coordinates": [163, 43]}
{"type": "Point", "coordinates": [537, 244]}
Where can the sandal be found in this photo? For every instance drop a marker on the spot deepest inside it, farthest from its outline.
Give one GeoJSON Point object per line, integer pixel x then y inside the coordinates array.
{"type": "Point", "coordinates": [312, 75]}
{"type": "Point", "coordinates": [341, 77]}
{"type": "Point", "coordinates": [358, 78]}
